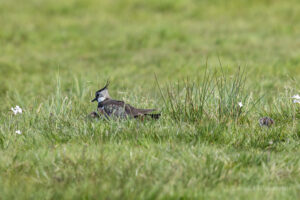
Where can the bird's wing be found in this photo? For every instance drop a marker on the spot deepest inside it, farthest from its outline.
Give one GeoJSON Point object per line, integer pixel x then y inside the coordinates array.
{"type": "Point", "coordinates": [113, 107]}
{"type": "Point", "coordinates": [111, 102]}
{"type": "Point", "coordinates": [136, 111]}
{"type": "Point", "coordinates": [130, 110]}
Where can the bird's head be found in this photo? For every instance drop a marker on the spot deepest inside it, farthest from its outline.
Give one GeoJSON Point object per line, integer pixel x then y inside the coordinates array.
{"type": "Point", "coordinates": [102, 94]}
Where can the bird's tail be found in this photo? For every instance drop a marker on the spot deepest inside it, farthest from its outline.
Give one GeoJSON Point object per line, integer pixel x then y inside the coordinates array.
{"type": "Point", "coordinates": [154, 116]}
{"type": "Point", "coordinates": [143, 117]}
{"type": "Point", "coordinates": [144, 111]}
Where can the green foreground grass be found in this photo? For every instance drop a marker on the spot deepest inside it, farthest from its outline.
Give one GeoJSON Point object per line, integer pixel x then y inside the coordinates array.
{"type": "Point", "coordinates": [55, 54]}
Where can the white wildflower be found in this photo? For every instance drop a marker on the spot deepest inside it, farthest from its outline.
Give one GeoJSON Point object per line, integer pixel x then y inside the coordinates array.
{"type": "Point", "coordinates": [270, 142]}
{"type": "Point", "coordinates": [296, 101]}
{"type": "Point", "coordinates": [18, 132]}
{"type": "Point", "coordinates": [14, 111]}
{"type": "Point", "coordinates": [240, 104]}
{"type": "Point", "coordinates": [17, 110]}
{"type": "Point", "coordinates": [296, 98]}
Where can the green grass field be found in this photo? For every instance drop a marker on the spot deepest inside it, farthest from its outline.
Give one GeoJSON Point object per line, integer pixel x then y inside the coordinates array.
{"type": "Point", "coordinates": [55, 54]}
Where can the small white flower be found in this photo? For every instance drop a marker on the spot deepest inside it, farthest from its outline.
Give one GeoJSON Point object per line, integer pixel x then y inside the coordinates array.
{"type": "Point", "coordinates": [17, 110]}
{"type": "Point", "coordinates": [14, 111]}
{"type": "Point", "coordinates": [297, 97]}
{"type": "Point", "coordinates": [296, 101]}
{"type": "Point", "coordinates": [271, 142]}
{"type": "Point", "coordinates": [18, 132]}
{"type": "Point", "coordinates": [240, 104]}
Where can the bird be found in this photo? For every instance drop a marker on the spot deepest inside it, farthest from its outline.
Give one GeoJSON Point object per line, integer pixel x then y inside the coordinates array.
{"type": "Point", "coordinates": [266, 121]}
{"type": "Point", "coordinates": [111, 108]}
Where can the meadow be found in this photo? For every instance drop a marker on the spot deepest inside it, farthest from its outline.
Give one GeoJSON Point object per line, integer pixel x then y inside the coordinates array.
{"type": "Point", "coordinates": [193, 60]}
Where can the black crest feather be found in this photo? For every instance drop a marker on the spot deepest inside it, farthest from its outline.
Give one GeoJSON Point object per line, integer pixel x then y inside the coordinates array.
{"type": "Point", "coordinates": [105, 87]}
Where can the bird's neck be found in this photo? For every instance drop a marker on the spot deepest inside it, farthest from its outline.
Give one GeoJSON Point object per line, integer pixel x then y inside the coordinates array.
{"type": "Point", "coordinates": [100, 103]}
{"type": "Point", "coordinates": [101, 99]}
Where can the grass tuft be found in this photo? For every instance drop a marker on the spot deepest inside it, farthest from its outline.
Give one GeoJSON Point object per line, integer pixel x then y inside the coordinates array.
{"type": "Point", "coordinates": [215, 97]}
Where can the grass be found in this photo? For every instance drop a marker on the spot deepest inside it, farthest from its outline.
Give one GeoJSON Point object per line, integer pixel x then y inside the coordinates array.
{"type": "Point", "coordinates": [55, 54]}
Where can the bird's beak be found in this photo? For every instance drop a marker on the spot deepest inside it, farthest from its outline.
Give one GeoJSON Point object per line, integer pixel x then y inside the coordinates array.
{"type": "Point", "coordinates": [94, 99]}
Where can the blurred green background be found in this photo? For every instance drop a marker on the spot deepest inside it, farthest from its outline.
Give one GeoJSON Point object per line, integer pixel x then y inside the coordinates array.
{"type": "Point", "coordinates": [130, 40]}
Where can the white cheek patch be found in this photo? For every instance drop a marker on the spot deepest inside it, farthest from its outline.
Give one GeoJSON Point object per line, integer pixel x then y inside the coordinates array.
{"type": "Point", "coordinates": [100, 99]}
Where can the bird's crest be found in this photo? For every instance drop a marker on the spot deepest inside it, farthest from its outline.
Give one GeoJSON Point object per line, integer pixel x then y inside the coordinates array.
{"type": "Point", "coordinates": [104, 88]}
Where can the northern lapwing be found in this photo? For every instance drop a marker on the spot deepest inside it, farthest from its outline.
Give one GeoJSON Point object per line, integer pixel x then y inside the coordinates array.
{"type": "Point", "coordinates": [111, 108]}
